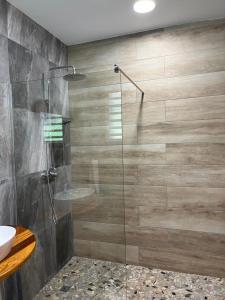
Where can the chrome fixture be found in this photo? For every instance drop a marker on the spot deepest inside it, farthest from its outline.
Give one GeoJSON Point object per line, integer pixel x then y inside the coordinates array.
{"type": "Point", "coordinates": [50, 174]}
{"type": "Point", "coordinates": [117, 69]}
{"type": "Point", "coordinates": [74, 76]}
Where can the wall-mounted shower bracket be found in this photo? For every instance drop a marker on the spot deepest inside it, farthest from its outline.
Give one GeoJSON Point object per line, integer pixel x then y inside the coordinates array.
{"type": "Point", "coordinates": [117, 69]}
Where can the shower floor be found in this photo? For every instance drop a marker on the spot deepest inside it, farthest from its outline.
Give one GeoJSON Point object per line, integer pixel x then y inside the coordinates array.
{"type": "Point", "coordinates": [84, 278]}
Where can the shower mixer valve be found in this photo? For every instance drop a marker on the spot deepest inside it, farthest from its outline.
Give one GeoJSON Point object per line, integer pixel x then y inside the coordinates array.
{"type": "Point", "coordinates": [49, 174]}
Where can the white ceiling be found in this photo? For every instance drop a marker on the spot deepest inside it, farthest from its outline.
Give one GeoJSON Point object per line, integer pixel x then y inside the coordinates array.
{"type": "Point", "coordinates": [79, 21]}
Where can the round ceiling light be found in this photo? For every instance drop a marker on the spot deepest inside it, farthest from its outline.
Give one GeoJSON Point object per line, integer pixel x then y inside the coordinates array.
{"type": "Point", "coordinates": [144, 6]}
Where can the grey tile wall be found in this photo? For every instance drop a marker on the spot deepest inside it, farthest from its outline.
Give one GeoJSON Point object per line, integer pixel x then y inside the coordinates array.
{"type": "Point", "coordinates": [27, 50]}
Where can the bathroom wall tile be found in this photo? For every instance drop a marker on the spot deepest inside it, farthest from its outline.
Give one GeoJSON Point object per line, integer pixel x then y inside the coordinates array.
{"type": "Point", "coordinates": [182, 175]}
{"type": "Point", "coordinates": [25, 65]}
{"type": "Point", "coordinates": [5, 132]}
{"type": "Point", "coordinates": [180, 261]}
{"type": "Point", "coordinates": [33, 202]}
{"type": "Point", "coordinates": [58, 96]}
{"type": "Point", "coordinates": [96, 136]}
{"type": "Point", "coordinates": [3, 17]}
{"type": "Point", "coordinates": [7, 202]}
{"type": "Point", "coordinates": [100, 232]}
{"type": "Point", "coordinates": [96, 77]}
{"type": "Point", "coordinates": [202, 131]}
{"type": "Point", "coordinates": [56, 50]}
{"type": "Point", "coordinates": [152, 175]}
{"type": "Point", "coordinates": [164, 238]}
{"type": "Point", "coordinates": [130, 134]}
{"type": "Point", "coordinates": [195, 154]}
{"type": "Point", "coordinates": [154, 197]}
{"type": "Point", "coordinates": [196, 198]}
{"type": "Point", "coordinates": [203, 108]}
{"type": "Point", "coordinates": [104, 52]}
{"type": "Point", "coordinates": [105, 205]}
{"type": "Point", "coordinates": [144, 154]}
{"type": "Point", "coordinates": [203, 85]}
{"type": "Point", "coordinates": [96, 116]}
{"type": "Point", "coordinates": [97, 173]}
{"type": "Point", "coordinates": [132, 255]}
{"type": "Point", "coordinates": [29, 95]}
{"type": "Point", "coordinates": [41, 265]}
{"type": "Point", "coordinates": [181, 39]}
{"type": "Point", "coordinates": [144, 114]}
{"type": "Point", "coordinates": [27, 33]}
{"type": "Point", "coordinates": [108, 251]}
{"type": "Point", "coordinates": [145, 69]}
{"type": "Point", "coordinates": [82, 248]}
{"type": "Point", "coordinates": [96, 96]}
{"type": "Point", "coordinates": [64, 240]}
{"type": "Point", "coordinates": [203, 221]}
{"type": "Point", "coordinates": [4, 63]}
{"type": "Point", "coordinates": [28, 132]}
{"type": "Point", "coordinates": [206, 61]}
{"type": "Point", "coordinates": [102, 154]}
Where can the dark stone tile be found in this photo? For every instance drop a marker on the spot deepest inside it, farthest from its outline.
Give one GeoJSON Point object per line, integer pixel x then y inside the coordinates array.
{"type": "Point", "coordinates": [29, 95]}
{"type": "Point", "coordinates": [25, 65]}
{"type": "Point", "coordinates": [41, 266]}
{"type": "Point", "coordinates": [3, 17]}
{"type": "Point", "coordinates": [64, 240]}
{"type": "Point", "coordinates": [7, 202]}
{"type": "Point", "coordinates": [30, 151]}
{"type": "Point", "coordinates": [58, 96]}
{"type": "Point", "coordinates": [57, 51]}
{"type": "Point", "coordinates": [4, 62]}
{"type": "Point", "coordinates": [5, 132]}
{"type": "Point", "coordinates": [27, 33]}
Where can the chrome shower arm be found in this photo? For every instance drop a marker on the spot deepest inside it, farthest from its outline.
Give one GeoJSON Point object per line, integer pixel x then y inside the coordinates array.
{"type": "Point", "coordinates": [63, 67]}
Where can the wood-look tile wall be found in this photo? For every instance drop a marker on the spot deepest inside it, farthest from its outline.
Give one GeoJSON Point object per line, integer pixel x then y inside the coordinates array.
{"type": "Point", "coordinates": [172, 162]}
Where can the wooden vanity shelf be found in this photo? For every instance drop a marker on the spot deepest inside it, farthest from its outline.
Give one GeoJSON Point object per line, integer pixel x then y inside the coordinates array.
{"type": "Point", "coordinates": [23, 247]}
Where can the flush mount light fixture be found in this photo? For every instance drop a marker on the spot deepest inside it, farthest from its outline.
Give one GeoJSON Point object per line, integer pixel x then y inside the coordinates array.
{"type": "Point", "coordinates": [144, 6]}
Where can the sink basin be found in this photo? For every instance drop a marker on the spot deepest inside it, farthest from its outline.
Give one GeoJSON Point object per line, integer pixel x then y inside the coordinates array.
{"type": "Point", "coordinates": [7, 235]}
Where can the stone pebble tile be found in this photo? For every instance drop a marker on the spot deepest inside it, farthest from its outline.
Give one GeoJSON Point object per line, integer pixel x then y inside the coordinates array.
{"type": "Point", "coordinates": [84, 278]}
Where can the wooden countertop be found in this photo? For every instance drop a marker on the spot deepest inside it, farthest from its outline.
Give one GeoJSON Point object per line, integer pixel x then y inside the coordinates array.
{"type": "Point", "coordinates": [23, 246]}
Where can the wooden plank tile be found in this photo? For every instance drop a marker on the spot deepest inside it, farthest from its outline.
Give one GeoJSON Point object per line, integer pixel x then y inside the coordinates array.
{"type": "Point", "coordinates": [200, 85]}
{"type": "Point", "coordinates": [195, 154]}
{"type": "Point", "coordinates": [144, 113]}
{"type": "Point", "coordinates": [182, 261]}
{"type": "Point", "coordinates": [100, 232]}
{"type": "Point", "coordinates": [181, 39]}
{"type": "Point", "coordinates": [144, 154]}
{"type": "Point", "coordinates": [203, 221]}
{"type": "Point", "coordinates": [205, 61]}
{"type": "Point", "coordinates": [190, 198]}
{"type": "Point", "coordinates": [204, 131]}
{"type": "Point", "coordinates": [204, 108]}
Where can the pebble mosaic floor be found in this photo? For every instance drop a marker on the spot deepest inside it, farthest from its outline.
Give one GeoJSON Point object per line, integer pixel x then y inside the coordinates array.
{"type": "Point", "coordinates": [84, 278]}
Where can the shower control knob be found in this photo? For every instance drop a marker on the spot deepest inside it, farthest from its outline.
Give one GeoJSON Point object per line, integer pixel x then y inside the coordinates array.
{"type": "Point", "coordinates": [53, 172]}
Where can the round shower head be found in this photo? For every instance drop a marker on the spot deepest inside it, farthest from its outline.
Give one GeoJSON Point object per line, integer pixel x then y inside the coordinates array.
{"type": "Point", "coordinates": [74, 77]}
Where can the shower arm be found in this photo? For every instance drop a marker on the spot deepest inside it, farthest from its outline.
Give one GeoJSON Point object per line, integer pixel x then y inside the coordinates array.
{"type": "Point", "coordinates": [117, 69]}
{"type": "Point", "coordinates": [63, 67]}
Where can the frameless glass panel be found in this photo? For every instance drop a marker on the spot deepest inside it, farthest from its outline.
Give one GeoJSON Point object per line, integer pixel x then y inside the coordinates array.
{"type": "Point", "coordinates": [96, 188]}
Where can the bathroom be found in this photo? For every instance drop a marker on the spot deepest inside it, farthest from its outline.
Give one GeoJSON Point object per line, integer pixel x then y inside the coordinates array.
{"type": "Point", "coordinates": [112, 149]}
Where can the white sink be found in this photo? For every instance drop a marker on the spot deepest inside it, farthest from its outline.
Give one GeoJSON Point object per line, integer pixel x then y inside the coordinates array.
{"type": "Point", "coordinates": [7, 235]}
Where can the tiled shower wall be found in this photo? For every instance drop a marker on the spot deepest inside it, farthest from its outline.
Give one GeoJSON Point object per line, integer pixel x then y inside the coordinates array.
{"type": "Point", "coordinates": [26, 52]}
{"type": "Point", "coordinates": [173, 152]}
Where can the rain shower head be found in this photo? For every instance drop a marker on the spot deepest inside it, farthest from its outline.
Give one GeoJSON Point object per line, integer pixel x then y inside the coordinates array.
{"type": "Point", "coordinates": [74, 76]}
